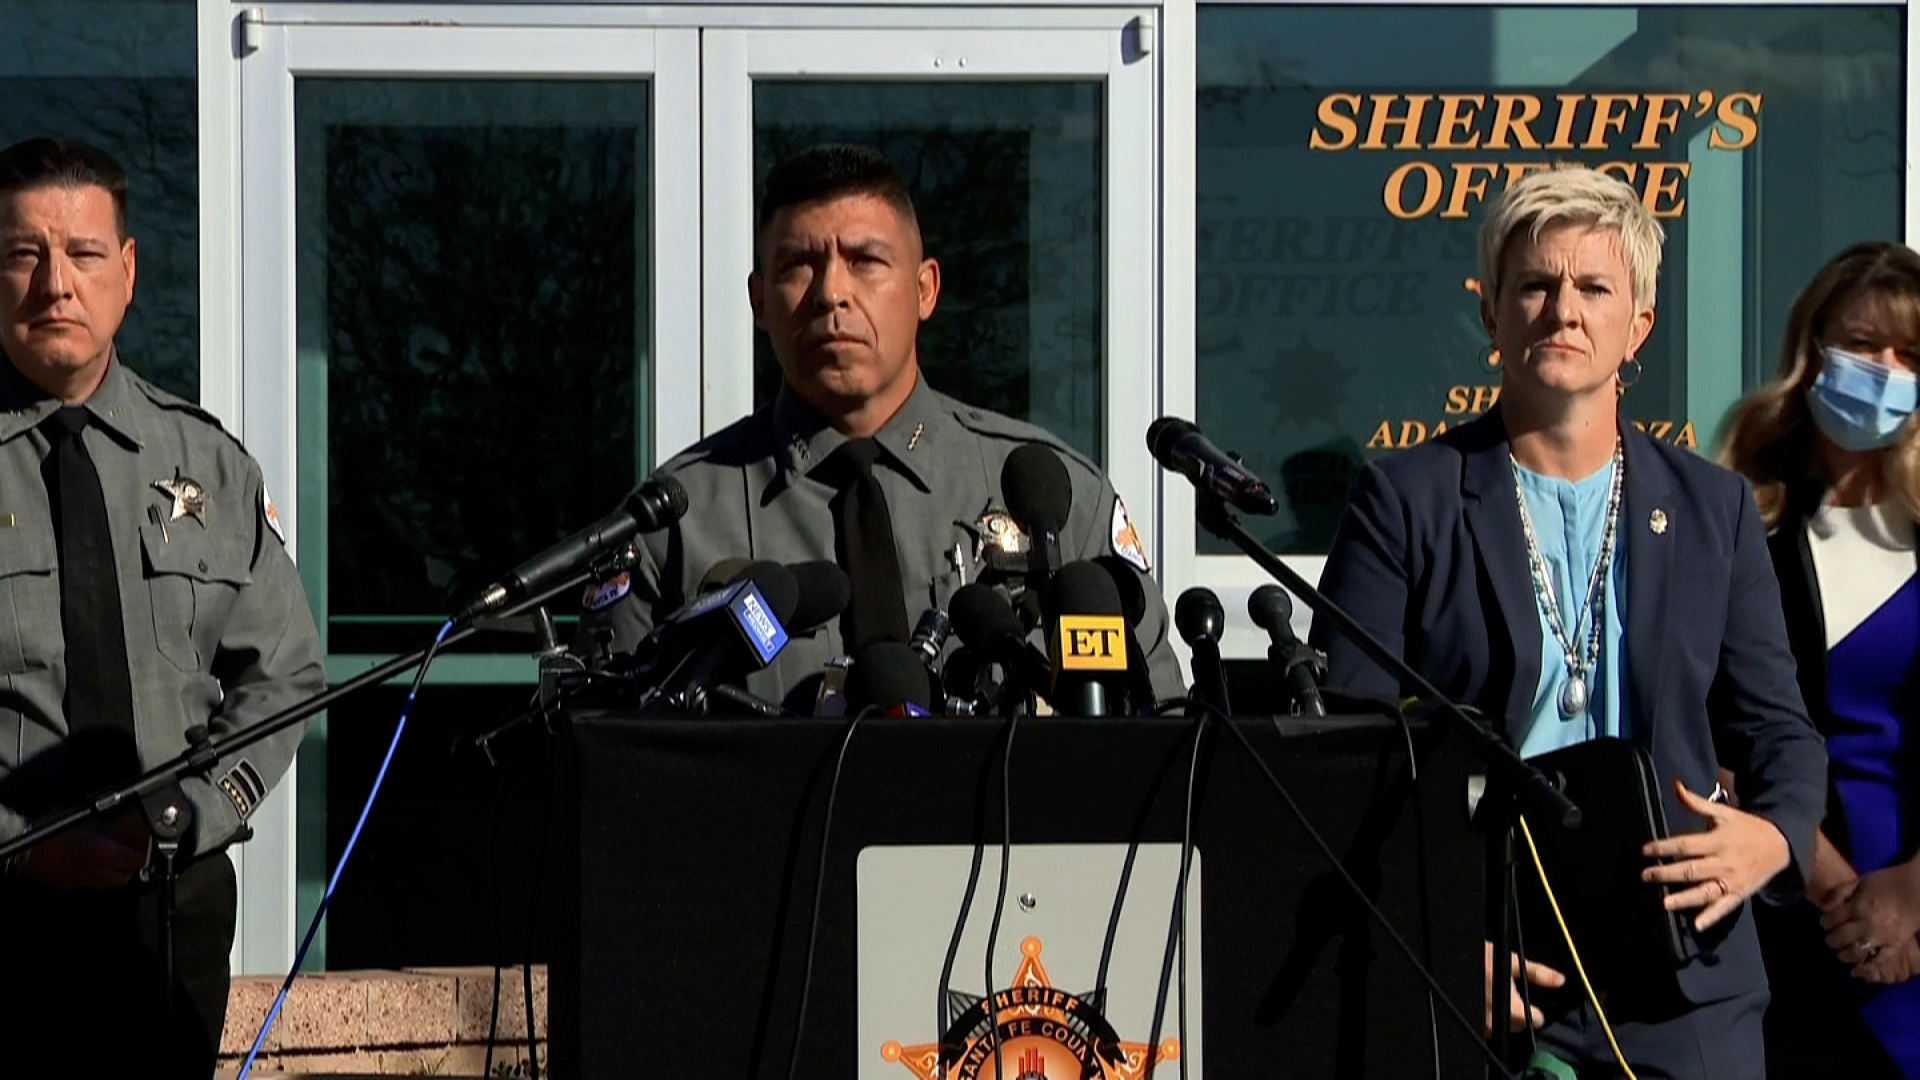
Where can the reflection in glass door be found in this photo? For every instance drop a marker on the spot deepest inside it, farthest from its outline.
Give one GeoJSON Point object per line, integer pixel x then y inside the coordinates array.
{"type": "Point", "coordinates": [450, 249]}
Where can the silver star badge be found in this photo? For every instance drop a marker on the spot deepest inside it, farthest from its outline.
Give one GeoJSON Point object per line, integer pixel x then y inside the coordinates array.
{"type": "Point", "coordinates": [189, 497]}
{"type": "Point", "coordinates": [1657, 521]}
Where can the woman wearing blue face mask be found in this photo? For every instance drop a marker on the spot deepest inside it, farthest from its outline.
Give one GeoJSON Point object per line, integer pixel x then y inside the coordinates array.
{"type": "Point", "coordinates": [1834, 458]}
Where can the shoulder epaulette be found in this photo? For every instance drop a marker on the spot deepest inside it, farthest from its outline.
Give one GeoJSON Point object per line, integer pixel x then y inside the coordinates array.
{"type": "Point", "coordinates": [741, 431]}
{"type": "Point", "coordinates": [173, 402]}
{"type": "Point", "coordinates": [994, 425]}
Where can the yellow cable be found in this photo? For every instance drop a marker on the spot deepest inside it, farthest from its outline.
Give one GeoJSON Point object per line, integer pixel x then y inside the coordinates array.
{"type": "Point", "coordinates": [1541, 869]}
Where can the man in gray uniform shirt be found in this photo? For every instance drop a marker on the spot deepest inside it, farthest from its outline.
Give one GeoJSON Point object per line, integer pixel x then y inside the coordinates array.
{"type": "Point", "coordinates": [145, 597]}
{"type": "Point", "coordinates": [841, 285]}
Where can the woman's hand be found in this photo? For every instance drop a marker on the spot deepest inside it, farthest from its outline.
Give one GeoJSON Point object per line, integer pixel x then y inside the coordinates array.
{"type": "Point", "coordinates": [1893, 964]}
{"type": "Point", "coordinates": [1519, 1015]}
{"type": "Point", "coordinates": [1722, 865]}
{"type": "Point", "coordinates": [1877, 915]}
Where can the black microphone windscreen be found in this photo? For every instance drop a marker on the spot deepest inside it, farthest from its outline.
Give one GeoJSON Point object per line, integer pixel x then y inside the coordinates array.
{"type": "Point", "coordinates": [1271, 609]}
{"type": "Point", "coordinates": [1164, 432]}
{"type": "Point", "coordinates": [1198, 616]}
{"type": "Point", "coordinates": [777, 587]}
{"type": "Point", "coordinates": [980, 613]}
{"type": "Point", "coordinates": [1083, 588]}
{"type": "Point", "coordinates": [1131, 583]}
{"type": "Point", "coordinates": [657, 503]}
{"type": "Point", "coordinates": [1038, 491]}
{"type": "Point", "coordinates": [825, 592]}
{"type": "Point", "coordinates": [723, 573]}
{"type": "Point", "coordinates": [887, 673]}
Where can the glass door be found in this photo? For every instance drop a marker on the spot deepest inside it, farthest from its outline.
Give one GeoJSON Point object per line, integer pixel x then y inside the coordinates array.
{"type": "Point", "coordinates": [451, 245]}
{"type": "Point", "coordinates": [1029, 149]}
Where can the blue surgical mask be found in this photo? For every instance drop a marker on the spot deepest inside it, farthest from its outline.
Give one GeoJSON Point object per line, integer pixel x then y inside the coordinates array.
{"type": "Point", "coordinates": [1859, 404]}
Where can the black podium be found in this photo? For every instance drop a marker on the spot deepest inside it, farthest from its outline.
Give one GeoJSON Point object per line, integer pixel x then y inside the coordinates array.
{"type": "Point", "coordinates": [687, 855]}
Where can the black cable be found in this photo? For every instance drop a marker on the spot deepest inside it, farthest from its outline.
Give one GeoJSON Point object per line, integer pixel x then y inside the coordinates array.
{"type": "Point", "coordinates": [1159, 708]}
{"type": "Point", "coordinates": [1000, 901]}
{"type": "Point", "coordinates": [953, 951]}
{"type": "Point", "coordinates": [1520, 950]}
{"type": "Point", "coordinates": [1113, 917]}
{"type": "Point", "coordinates": [1177, 928]}
{"type": "Point", "coordinates": [1420, 828]}
{"type": "Point", "coordinates": [1326, 852]}
{"type": "Point", "coordinates": [819, 892]}
{"type": "Point", "coordinates": [953, 942]}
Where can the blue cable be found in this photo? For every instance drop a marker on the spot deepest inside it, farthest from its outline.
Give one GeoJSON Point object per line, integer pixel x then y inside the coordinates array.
{"type": "Point", "coordinates": [333, 882]}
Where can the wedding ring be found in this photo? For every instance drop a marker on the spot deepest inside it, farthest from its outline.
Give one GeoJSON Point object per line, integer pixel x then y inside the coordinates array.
{"type": "Point", "coordinates": [1725, 889]}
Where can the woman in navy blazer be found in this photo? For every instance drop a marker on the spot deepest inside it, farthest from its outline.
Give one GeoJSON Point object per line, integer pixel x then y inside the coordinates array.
{"type": "Point", "coordinates": [1573, 578]}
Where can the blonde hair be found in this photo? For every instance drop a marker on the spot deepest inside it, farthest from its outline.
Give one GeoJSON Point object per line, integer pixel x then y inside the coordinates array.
{"type": "Point", "coordinates": [1769, 437]}
{"type": "Point", "coordinates": [1573, 195]}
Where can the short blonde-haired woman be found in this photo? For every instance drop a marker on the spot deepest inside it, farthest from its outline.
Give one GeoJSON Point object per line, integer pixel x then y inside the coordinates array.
{"type": "Point", "coordinates": [1835, 461]}
{"type": "Point", "coordinates": [1573, 579]}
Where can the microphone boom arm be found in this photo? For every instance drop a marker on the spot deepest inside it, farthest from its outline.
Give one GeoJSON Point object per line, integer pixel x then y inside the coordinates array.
{"type": "Point", "coordinates": [201, 757]}
{"type": "Point", "coordinates": [1526, 783]}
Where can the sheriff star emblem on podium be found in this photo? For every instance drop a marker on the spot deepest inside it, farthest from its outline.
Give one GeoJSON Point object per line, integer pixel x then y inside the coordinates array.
{"type": "Point", "coordinates": [1044, 1034]}
{"type": "Point", "coordinates": [189, 497]}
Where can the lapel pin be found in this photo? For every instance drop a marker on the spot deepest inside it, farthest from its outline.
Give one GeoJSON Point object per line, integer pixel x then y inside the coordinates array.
{"type": "Point", "coordinates": [918, 430]}
{"type": "Point", "coordinates": [1657, 521]}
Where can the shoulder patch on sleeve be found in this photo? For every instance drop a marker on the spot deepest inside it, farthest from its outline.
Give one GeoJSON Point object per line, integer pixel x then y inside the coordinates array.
{"type": "Point", "coordinates": [603, 593]}
{"type": "Point", "coordinates": [1126, 539]}
{"type": "Point", "coordinates": [271, 514]}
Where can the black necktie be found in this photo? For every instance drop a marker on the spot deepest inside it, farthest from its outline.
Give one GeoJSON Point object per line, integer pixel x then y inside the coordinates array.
{"type": "Point", "coordinates": [863, 531]}
{"type": "Point", "coordinates": [99, 697]}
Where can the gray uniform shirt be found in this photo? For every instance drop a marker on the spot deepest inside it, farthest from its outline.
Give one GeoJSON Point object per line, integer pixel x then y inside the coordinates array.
{"type": "Point", "coordinates": [217, 625]}
{"type": "Point", "coordinates": [751, 493]}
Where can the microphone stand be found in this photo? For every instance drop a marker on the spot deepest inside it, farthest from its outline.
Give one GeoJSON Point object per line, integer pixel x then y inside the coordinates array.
{"type": "Point", "coordinates": [1512, 785]}
{"type": "Point", "coordinates": [200, 758]}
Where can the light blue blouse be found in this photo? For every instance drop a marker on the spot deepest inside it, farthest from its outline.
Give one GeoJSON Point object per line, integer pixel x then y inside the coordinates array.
{"type": "Point", "coordinates": [1569, 520]}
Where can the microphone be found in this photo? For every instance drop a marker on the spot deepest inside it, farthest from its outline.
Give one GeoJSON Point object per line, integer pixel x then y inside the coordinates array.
{"type": "Point", "coordinates": [967, 684]}
{"type": "Point", "coordinates": [703, 643]}
{"type": "Point", "coordinates": [1201, 622]}
{"type": "Point", "coordinates": [831, 699]}
{"type": "Point", "coordinates": [991, 631]}
{"type": "Point", "coordinates": [824, 591]}
{"type": "Point", "coordinates": [886, 675]}
{"type": "Point", "coordinates": [653, 505]}
{"type": "Point", "coordinates": [1298, 665]}
{"type": "Point", "coordinates": [1039, 495]}
{"type": "Point", "coordinates": [1133, 586]}
{"type": "Point", "coordinates": [723, 573]}
{"type": "Point", "coordinates": [1178, 445]}
{"type": "Point", "coordinates": [930, 637]}
{"type": "Point", "coordinates": [1087, 637]}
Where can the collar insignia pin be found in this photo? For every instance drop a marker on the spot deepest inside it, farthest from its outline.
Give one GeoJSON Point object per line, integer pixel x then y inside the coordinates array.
{"type": "Point", "coordinates": [1657, 521]}
{"type": "Point", "coordinates": [189, 497]}
{"type": "Point", "coordinates": [918, 430]}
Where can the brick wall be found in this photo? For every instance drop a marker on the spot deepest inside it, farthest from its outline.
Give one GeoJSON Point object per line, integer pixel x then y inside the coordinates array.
{"type": "Point", "coordinates": [417, 1022]}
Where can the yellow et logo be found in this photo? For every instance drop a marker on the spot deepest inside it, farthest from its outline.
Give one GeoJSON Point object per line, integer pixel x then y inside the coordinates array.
{"type": "Point", "coordinates": [1090, 643]}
